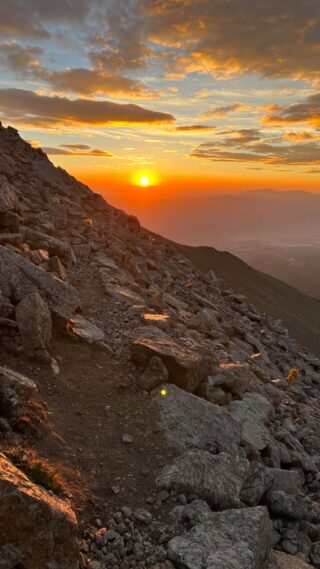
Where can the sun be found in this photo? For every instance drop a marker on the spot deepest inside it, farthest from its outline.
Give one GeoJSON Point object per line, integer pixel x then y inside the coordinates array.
{"type": "Point", "coordinates": [144, 178]}
{"type": "Point", "coordinates": [144, 181]}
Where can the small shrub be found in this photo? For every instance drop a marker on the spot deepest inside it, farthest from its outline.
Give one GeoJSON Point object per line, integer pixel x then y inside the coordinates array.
{"type": "Point", "coordinates": [39, 471]}
{"type": "Point", "coordinates": [292, 375]}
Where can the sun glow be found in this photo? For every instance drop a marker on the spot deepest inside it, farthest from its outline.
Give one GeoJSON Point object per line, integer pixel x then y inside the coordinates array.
{"type": "Point", "coordinates": [144, 179]}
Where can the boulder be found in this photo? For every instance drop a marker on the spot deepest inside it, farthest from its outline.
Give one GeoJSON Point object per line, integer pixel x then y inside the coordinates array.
{"type": "Point", "coordinates": [34, 323]}
{"type": "Point", "coordinates": [279, 560]}
{"type": "Point", "coordinates": [253, 412]}
{"type": "Point", "coordinates": [234, 539]}
{"type": "Point", "coordinates": [190, 422]}
{"type": "Point", "coordinates": [187, 367]}
{"type": "Point", "coordinates": [24, 277]}
{"type": "Point", "coordinates": [257, 483]}
{"type": "Point", "coordinates": [294, 506]}
{"type": "Point", "coordinates": [233, 377]}
{"type": "Point", "coordinates": [155, 374]}
{"type": "Point", "coordinates": [39, 525]}
{"type": "Point", "coordinates": [85, 330]}
{"type": "Point", "coordinates": [55, 246]}
{"type": "Point", "coordinates": [215, 478]}
{"type": "Point", "coordinates": [15, 392]}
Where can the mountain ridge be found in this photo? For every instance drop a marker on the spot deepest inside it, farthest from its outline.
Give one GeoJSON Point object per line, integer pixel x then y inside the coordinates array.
{"type": "Point", "coordinates": [188, 419]}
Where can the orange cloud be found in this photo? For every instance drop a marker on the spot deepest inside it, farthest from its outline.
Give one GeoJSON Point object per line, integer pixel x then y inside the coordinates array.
{"type": "Point", "coordinates": [77, 150]}
{"type": "Point", "coordinates": [30, 108]}
{"type": "Point", "coordinates": [307, 112]}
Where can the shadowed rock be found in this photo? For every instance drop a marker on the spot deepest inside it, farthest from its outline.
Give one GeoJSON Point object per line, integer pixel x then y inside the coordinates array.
{"type": "Point", "coordinates": [234, 539]}
{"type": "Point", "coordinates": [39, 525]}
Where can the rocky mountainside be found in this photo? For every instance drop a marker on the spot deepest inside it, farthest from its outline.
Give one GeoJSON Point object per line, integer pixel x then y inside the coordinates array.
{"type": "Point", "coordinates": [150, 416]}
{"type": "Point", "coordinates": [299, 312]}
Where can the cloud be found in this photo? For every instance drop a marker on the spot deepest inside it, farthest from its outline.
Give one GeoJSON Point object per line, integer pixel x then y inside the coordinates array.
{"type": "Point", "coordinates": [84, 81]}
{"type": "Point", "coordinates": [25, 62]}
{"type": "Point", "coordinates": [193, 127]}
{"type": "Point", "coordinates": [77, 150]}
{"type": "Point", "coordinates": [223, 112]}
{"type": "Point", "coordinates": [229, 37]}
{"type": "Point", "coordinates": [307, 112]}
{"type": "Point", "coordinates": [34, 18]}
{"type": "Point", "coordinates": [31, 108]}
{"type": "Point", "coordinates": [254, 146]}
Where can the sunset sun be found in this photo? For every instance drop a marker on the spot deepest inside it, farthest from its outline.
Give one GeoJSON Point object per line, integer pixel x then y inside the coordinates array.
{"type": "Point", "coordinates": [144, 181]}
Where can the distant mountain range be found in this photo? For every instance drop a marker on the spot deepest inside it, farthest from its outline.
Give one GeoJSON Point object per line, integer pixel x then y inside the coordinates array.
{"type": "Point", "coordinates": [277, 232]}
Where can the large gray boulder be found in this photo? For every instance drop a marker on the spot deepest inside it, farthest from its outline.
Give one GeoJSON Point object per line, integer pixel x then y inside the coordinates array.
{"type": "Point", "coordinates": [25, 277]}
{"type": "Point", "coordinates": [34, 323]}
{"type": "Point", "coordinates": [39, 525]}
{"type": "Point", "coordinates": [253, 413]}
{"type": "Point", "coordinates": [234, 539]}
{"type": "Point", "coordinates": [215, 478]}
{"type": "Point", "coordinates": [187, 366]}
{"type": "Point", "coordinates": [190, 422]}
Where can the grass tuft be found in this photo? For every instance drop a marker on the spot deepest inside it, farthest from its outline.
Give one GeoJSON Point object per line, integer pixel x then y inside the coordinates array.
{"type": "Point", "coordinates": [39, 471]}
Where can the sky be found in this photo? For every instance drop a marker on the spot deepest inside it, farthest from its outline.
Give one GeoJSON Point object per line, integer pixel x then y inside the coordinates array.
{"type": "Point", "coordinates": [167, 96]}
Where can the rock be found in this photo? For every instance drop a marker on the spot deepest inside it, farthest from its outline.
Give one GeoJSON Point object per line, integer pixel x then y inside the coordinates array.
{"type": "Point", "coordinates": [127, 439]}
{"type": "Point", "coordinates": [40, 525]}
{"type": "Point", "coordinates": [163, 565]}
{"type": "Point", "coordinates": [160, 320]}
{"type": "Point", "coordinates": [234, 539]}
{"type": "Point", "coordinates": [15, 392]}
{"type": "Point", "coordinates": [190, 514]}
{"type": "Point", "coordinates": [292, 506]}
{"type": "Point", "coordinates": [155, 374]}
{"type": "Point", "coordinates": [8, 197]}
{"type": "Point", "coordinates": [190, 422]}
{"type": "Point", "coordinates": [233, 377]}
{"type": "Point", "coordinates": [186, 367]}
{"type": "Point", "coordinates": [278, 560]}
{"type": "Point", "coordinates": [85, 330]}
{"type": "Point", "coordinates": [215, 478]}
{"type": "Point", "coordinates": [252, 413]}
{"type": "Point", "coordinates": [24, 277]}
{"type": "Point", "coordinates": [258, 481]}
{"type": "Point", "coordinates": [34, 323]}
{"type": "Point", "coordinates": [10, 557]}
{"type": "Point", "coordinates": [143, 516]}
{"type": "Point", "coordinates": [208, 320]}
{"type": "Point", "coordinates": [55, 246]}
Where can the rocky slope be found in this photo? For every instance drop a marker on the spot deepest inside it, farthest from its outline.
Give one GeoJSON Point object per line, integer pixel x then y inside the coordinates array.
{"type": "Point", "coordinates": [189, 419]}
{"type": "Point", "coordinates": [299, 312]}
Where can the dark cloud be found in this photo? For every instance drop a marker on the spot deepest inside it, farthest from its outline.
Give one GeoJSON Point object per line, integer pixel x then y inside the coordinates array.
{"type": "Point", "coordinates": [307, 111]}
{"type": "Point", "coordinates": [31, 108]}
{"type": "Point", "coordinates": [253, 146]}
{"type": "Point", "coordinates": [34, 18]}
{"type": "Point", "coordinates": [77, 150]}
{"type": "Point", "coordinates": [23, 60]}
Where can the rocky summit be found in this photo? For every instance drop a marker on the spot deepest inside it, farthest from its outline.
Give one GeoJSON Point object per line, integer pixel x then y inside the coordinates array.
{"type": "Point", "coordinates": [149, 415]}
